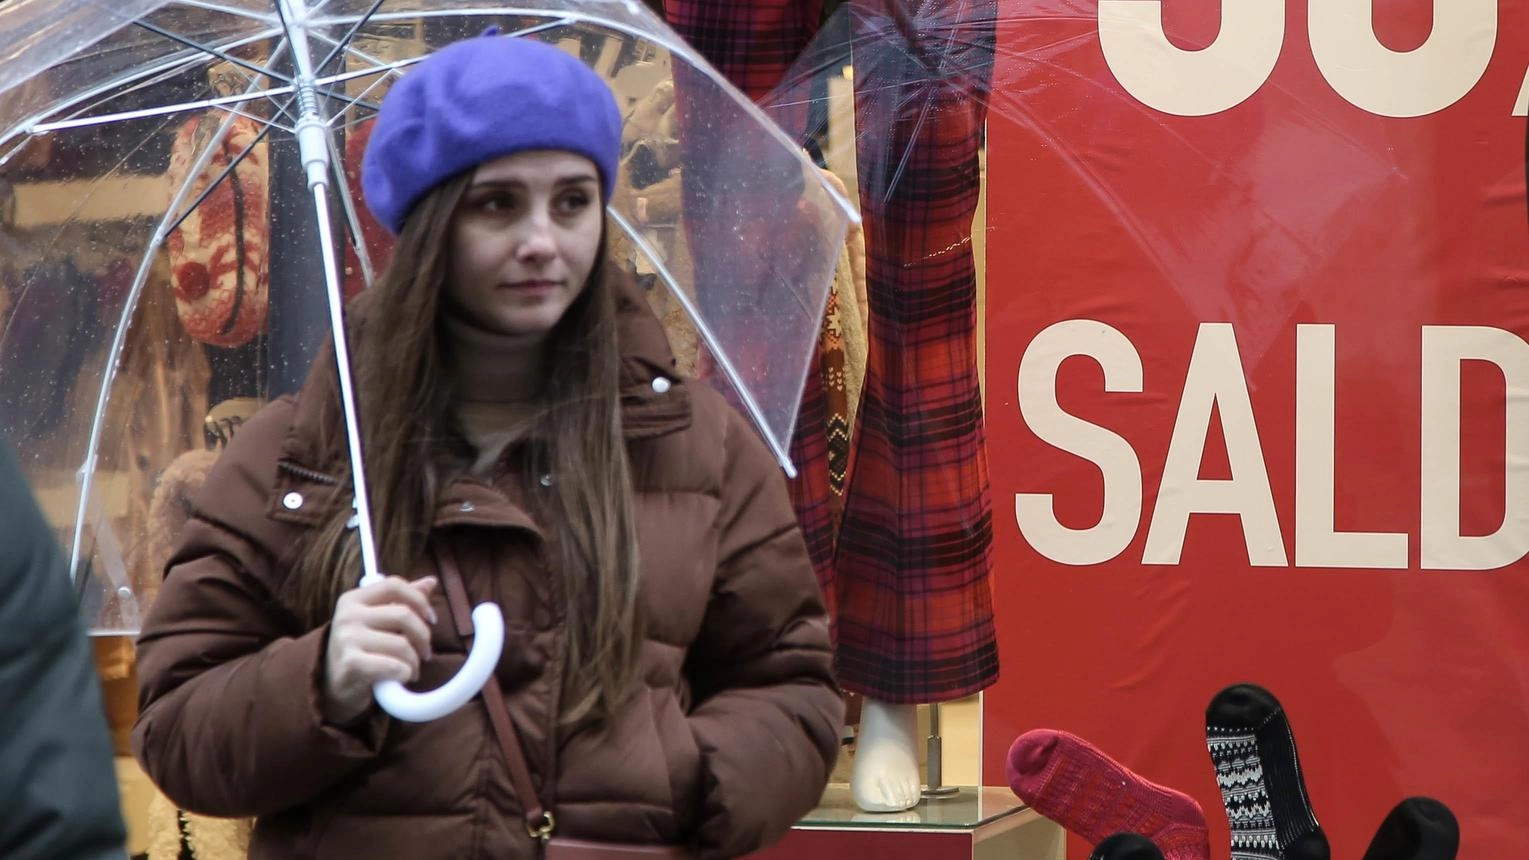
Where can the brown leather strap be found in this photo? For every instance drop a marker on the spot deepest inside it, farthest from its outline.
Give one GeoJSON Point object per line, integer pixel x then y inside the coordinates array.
{"type": "Point", "coordinates": [539, 821]}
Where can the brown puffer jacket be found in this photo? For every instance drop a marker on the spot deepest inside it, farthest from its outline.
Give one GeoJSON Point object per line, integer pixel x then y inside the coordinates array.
{"type": "Point", "coordinates": [730, 742]}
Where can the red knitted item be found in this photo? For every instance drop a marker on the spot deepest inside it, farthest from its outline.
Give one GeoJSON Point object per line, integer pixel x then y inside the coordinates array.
{"type": "Point", "coordinates": [1071, 782]}
{"type": "Point", "coordinates": [219, 253]}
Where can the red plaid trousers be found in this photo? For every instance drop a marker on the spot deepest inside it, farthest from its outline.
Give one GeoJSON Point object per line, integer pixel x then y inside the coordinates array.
{"type": "Point", "coordinates": [906, 568]}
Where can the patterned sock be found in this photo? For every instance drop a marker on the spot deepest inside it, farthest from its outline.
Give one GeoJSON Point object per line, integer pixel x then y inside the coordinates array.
{"type": "Point", "coordinates": [1260, 777]}
{"type": "Point", "coordinates": [1071, 782]}
{"type": "Point", "coordinates": [1418, 828]}
{"type": "Point", "coordinates": [1126, 846]}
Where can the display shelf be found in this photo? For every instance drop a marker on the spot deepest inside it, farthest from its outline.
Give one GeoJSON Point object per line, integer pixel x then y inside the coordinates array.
{"type": "Point", "coordinates": [976, 823]}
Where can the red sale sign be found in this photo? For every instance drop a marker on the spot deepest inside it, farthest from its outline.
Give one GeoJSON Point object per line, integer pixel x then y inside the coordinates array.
{"type": "Point", "coordinates": [1258, 392]}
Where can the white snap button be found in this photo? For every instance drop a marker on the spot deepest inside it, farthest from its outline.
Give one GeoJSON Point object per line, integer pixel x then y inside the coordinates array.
{"type": "Point", "coordinates": [292, 501]}
{"type": "Point", "coordinates": [468, 507]}
{"type": "Point", "coordinates": [546, 480]}
{"type": "Point", "coordinates": [661, 385]}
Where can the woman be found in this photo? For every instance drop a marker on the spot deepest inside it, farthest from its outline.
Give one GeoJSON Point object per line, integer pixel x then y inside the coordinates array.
{"type": "Point", "coordinates": [666, 665]}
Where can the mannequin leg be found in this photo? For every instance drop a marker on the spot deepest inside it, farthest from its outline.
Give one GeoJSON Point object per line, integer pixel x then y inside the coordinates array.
{"type": "Point", "coordinates": [885, 775]}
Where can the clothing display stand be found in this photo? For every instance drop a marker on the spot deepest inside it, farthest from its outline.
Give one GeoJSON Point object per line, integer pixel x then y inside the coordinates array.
{"type": "Point", "coordinates": [976, 823]}
{"type": "Point", "coordinates": [935, 788]}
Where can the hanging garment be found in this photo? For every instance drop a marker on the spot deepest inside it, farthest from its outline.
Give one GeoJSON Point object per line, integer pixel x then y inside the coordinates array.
{"type": "Point", "coordinates": [915, 616]}
{"type": "Point", "coordinates": [843, 349]}
{"type": "Point", "coordinates": [218, 254]}
{"type": "Point", "coordinates": [905, 573]}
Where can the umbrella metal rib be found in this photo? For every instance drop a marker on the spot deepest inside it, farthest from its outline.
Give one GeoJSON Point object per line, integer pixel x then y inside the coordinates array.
{"type": "Point", "coordinates": [352, 222]}
{"type": "Point", "coordinates": [729, 370]}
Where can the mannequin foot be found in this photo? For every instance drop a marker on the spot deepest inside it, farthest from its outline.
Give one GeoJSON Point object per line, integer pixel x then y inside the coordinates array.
{"type": "Point", "coordinates": [885, 776]}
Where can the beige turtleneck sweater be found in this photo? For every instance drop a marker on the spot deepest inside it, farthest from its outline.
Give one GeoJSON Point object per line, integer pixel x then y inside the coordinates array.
{"type": "Point", "coordinates": [499, 384]}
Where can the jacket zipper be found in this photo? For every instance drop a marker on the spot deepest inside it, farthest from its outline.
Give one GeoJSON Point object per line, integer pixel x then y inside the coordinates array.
{"type": "Point", "coordinates": [292, 468]}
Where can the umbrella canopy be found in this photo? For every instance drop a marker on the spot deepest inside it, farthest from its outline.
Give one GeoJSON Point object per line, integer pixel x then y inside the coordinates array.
{"type": "Point", "coordinates": [897, 67]}
{"type": "Point", "coordinates": [175, 175]}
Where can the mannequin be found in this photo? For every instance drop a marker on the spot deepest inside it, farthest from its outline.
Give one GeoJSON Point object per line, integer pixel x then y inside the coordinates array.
{"type": "Point", "coordinates": [904, 549]}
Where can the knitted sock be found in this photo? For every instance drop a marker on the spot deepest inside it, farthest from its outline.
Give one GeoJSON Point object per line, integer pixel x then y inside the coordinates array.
{"type": "Point", "coordinates": [1260, 777]}
{"type": "Point", "coordinates": [1126, 846]}
{"type": "Point", "coordinates": [1418, 828]}
{"type": "Point", "coordinates": [1071, 782]}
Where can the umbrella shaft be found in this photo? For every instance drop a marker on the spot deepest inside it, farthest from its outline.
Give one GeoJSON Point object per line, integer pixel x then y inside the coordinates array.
{"type": "Point", "coordinates": [313, 149]}
{"type": "Point", "coordinates": [369, 565]}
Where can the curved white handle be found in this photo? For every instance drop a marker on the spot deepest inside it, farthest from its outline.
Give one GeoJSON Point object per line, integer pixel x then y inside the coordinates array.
{"type": "Point", "coordinates": [488, 642]}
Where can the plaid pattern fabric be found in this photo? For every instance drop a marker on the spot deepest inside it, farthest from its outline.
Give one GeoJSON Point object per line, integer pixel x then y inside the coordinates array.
{"type": "Point", "coordinates": [752, 42]}
{"type": "Point", "coordinates": [906, 578]}
{"type": "Point", "coordinates": [915, 617]}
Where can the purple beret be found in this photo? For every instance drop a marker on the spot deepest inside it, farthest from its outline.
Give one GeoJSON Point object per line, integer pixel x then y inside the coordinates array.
{"type": "Point", "coordinates": [479, 99]}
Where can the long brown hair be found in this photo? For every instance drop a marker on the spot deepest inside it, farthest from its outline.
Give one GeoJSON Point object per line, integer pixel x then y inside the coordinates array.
{"type": "Point", "coordinates": [406, 393]}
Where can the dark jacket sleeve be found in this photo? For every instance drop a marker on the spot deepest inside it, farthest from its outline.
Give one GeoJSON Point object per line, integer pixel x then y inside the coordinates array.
{"type": "Point", "coordinates": [228, 682]}
{"type": "Point", "coordinates": [768, 713]}
{"type": "Point", "coordinates": [58, 785]}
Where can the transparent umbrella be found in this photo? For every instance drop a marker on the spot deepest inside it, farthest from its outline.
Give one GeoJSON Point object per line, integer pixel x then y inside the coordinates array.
{"type": "Point", "coordinates": [180, 221]}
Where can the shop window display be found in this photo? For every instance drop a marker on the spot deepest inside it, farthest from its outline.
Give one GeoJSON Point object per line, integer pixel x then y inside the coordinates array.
{"type": "Point", "coordinates": [1135, 547]}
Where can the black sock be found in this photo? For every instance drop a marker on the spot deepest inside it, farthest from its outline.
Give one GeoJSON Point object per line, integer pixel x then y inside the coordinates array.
{"type": "Point", "coordinates": [1418, 828]}
{"type": "Point", "coordinates": [1126, 846]}
{"type": "Point", "coordinates": [1259, 773]}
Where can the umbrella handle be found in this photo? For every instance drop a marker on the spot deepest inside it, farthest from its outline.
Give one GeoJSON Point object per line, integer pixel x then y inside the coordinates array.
{"type": "Point", "coordinates": [488, 642]}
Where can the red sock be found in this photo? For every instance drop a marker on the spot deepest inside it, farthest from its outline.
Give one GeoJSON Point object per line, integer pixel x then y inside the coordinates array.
{"type": "Point", "coordinates": [1071, 782]}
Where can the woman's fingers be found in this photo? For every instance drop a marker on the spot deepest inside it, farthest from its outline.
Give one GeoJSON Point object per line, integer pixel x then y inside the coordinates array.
{"type": "Point", "coordinates": [368, 668]}
{"type": "Point", "coordinates": [375, 655]}
{"type": "Point", "coordinates": [399, 620]}
{"type": "Point", "coordinates": [396, 589]}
